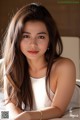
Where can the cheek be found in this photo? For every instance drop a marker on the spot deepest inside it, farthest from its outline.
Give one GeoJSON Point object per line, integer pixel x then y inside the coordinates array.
{"type": "Point", "coordinates": [44, 47]}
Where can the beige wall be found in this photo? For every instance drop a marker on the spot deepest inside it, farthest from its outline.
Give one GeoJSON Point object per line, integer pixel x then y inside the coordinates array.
{"type": "Point", "coordinates": [71, 50]}
{"type": "Point", "coordinates": [67, 17]}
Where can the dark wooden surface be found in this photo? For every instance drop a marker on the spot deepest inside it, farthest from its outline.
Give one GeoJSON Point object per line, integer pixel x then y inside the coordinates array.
{"type": "Point", "coordinates": [66, 14]}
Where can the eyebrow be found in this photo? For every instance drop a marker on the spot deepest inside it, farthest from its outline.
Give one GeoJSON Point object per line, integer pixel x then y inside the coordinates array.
{"type": "Point", "coordinates": [37, 33]}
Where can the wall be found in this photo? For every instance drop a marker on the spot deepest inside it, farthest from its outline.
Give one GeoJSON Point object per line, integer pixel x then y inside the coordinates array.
{"type": "Point", "coordinates": [66, 14]}
{"type": "Point", "coordinates": [72, 50]}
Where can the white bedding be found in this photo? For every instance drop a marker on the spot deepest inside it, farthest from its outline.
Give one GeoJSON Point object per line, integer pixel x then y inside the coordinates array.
{"type": "Point", "coordinates": [70, 115]}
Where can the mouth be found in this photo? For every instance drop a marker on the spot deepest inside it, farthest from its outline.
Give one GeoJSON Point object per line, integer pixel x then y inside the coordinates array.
{"type": "Point", "coordinates": [33, 52]}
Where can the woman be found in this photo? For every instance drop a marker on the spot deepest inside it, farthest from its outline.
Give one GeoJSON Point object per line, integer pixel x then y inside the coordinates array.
{"type": "Point", "coordinates": [38, 82]}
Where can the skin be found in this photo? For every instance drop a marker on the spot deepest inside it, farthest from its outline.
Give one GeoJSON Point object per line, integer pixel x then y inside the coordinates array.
{"type": "Point", "coordinates": [34, 43]}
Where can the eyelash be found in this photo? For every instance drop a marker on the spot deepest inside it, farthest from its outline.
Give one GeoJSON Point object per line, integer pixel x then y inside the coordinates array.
{"type": "Point", "coordinates": [41, 37]}
{"type": "Point", "coordinates": [27, 36]}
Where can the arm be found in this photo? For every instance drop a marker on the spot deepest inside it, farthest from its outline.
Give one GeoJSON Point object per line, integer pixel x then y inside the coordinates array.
{"type": "Point", "coordinates": [65, 84]}
{"type": "Point", "coordinates": [45, 114]}
{"type": "Point", "coordinates": [20, 115]}
{"type": "Point", "coordinates": [66, 75]}
{"type": "Point", "coordinates": [65, 87]}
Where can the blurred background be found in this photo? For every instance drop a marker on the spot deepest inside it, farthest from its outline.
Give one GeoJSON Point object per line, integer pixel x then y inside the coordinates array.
{"type": "Point", "coordinates": [67, 16]}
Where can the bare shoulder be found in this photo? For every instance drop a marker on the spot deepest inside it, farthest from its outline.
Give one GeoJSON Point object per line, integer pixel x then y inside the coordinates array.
{"type": "Point", "coordinates": [64, 67]}
{"type": "Point", "coordinates": [64, 64]}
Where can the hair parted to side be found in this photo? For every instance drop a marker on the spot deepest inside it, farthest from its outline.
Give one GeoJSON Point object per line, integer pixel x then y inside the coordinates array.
{"type": "Point", "coordinates": [16, 65]}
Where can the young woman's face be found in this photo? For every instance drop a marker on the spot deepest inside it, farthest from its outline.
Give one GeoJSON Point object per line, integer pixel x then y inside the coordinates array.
{"type": "Point", "coordinates": [35, 40]}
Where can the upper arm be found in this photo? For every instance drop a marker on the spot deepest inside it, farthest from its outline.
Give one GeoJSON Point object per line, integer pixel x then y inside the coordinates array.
{"type": "Point", "coordinates": [65, 84]}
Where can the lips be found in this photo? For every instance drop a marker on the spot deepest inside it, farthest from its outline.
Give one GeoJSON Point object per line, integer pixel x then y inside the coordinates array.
{"type": "Point", "coordinates": [33, 52]}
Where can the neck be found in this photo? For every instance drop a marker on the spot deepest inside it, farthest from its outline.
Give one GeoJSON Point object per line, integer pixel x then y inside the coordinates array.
{"type": "Point", "coordinates": [36, 65]}
{"type": "Point", "coordinates": [37, 68]}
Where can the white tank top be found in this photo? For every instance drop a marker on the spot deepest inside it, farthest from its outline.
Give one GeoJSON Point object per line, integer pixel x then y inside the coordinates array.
{"type": "Point", "coordinates": [41, 99]}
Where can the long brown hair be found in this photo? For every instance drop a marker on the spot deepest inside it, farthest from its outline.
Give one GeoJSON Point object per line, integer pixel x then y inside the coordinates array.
{"type": "Point", "coordinates": [16, 65]}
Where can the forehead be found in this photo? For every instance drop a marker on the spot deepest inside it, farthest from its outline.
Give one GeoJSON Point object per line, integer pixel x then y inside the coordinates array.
{"type": "Point", "coordinates": [37, 26]}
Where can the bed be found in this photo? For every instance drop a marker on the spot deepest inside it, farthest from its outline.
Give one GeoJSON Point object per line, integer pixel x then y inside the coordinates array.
{"type": "Point", "coordinates": [73, 114]}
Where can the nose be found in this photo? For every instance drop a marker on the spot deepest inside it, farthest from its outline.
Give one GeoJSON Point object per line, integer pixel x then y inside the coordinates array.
{"type": "Point", "coordinates": [33, 41]}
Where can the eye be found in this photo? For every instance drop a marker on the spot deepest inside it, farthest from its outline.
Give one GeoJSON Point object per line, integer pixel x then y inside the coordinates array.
{"type": "Point", "coordinates": [25, 36]}
{"type": "Point", "coordinates": [41, 37]}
